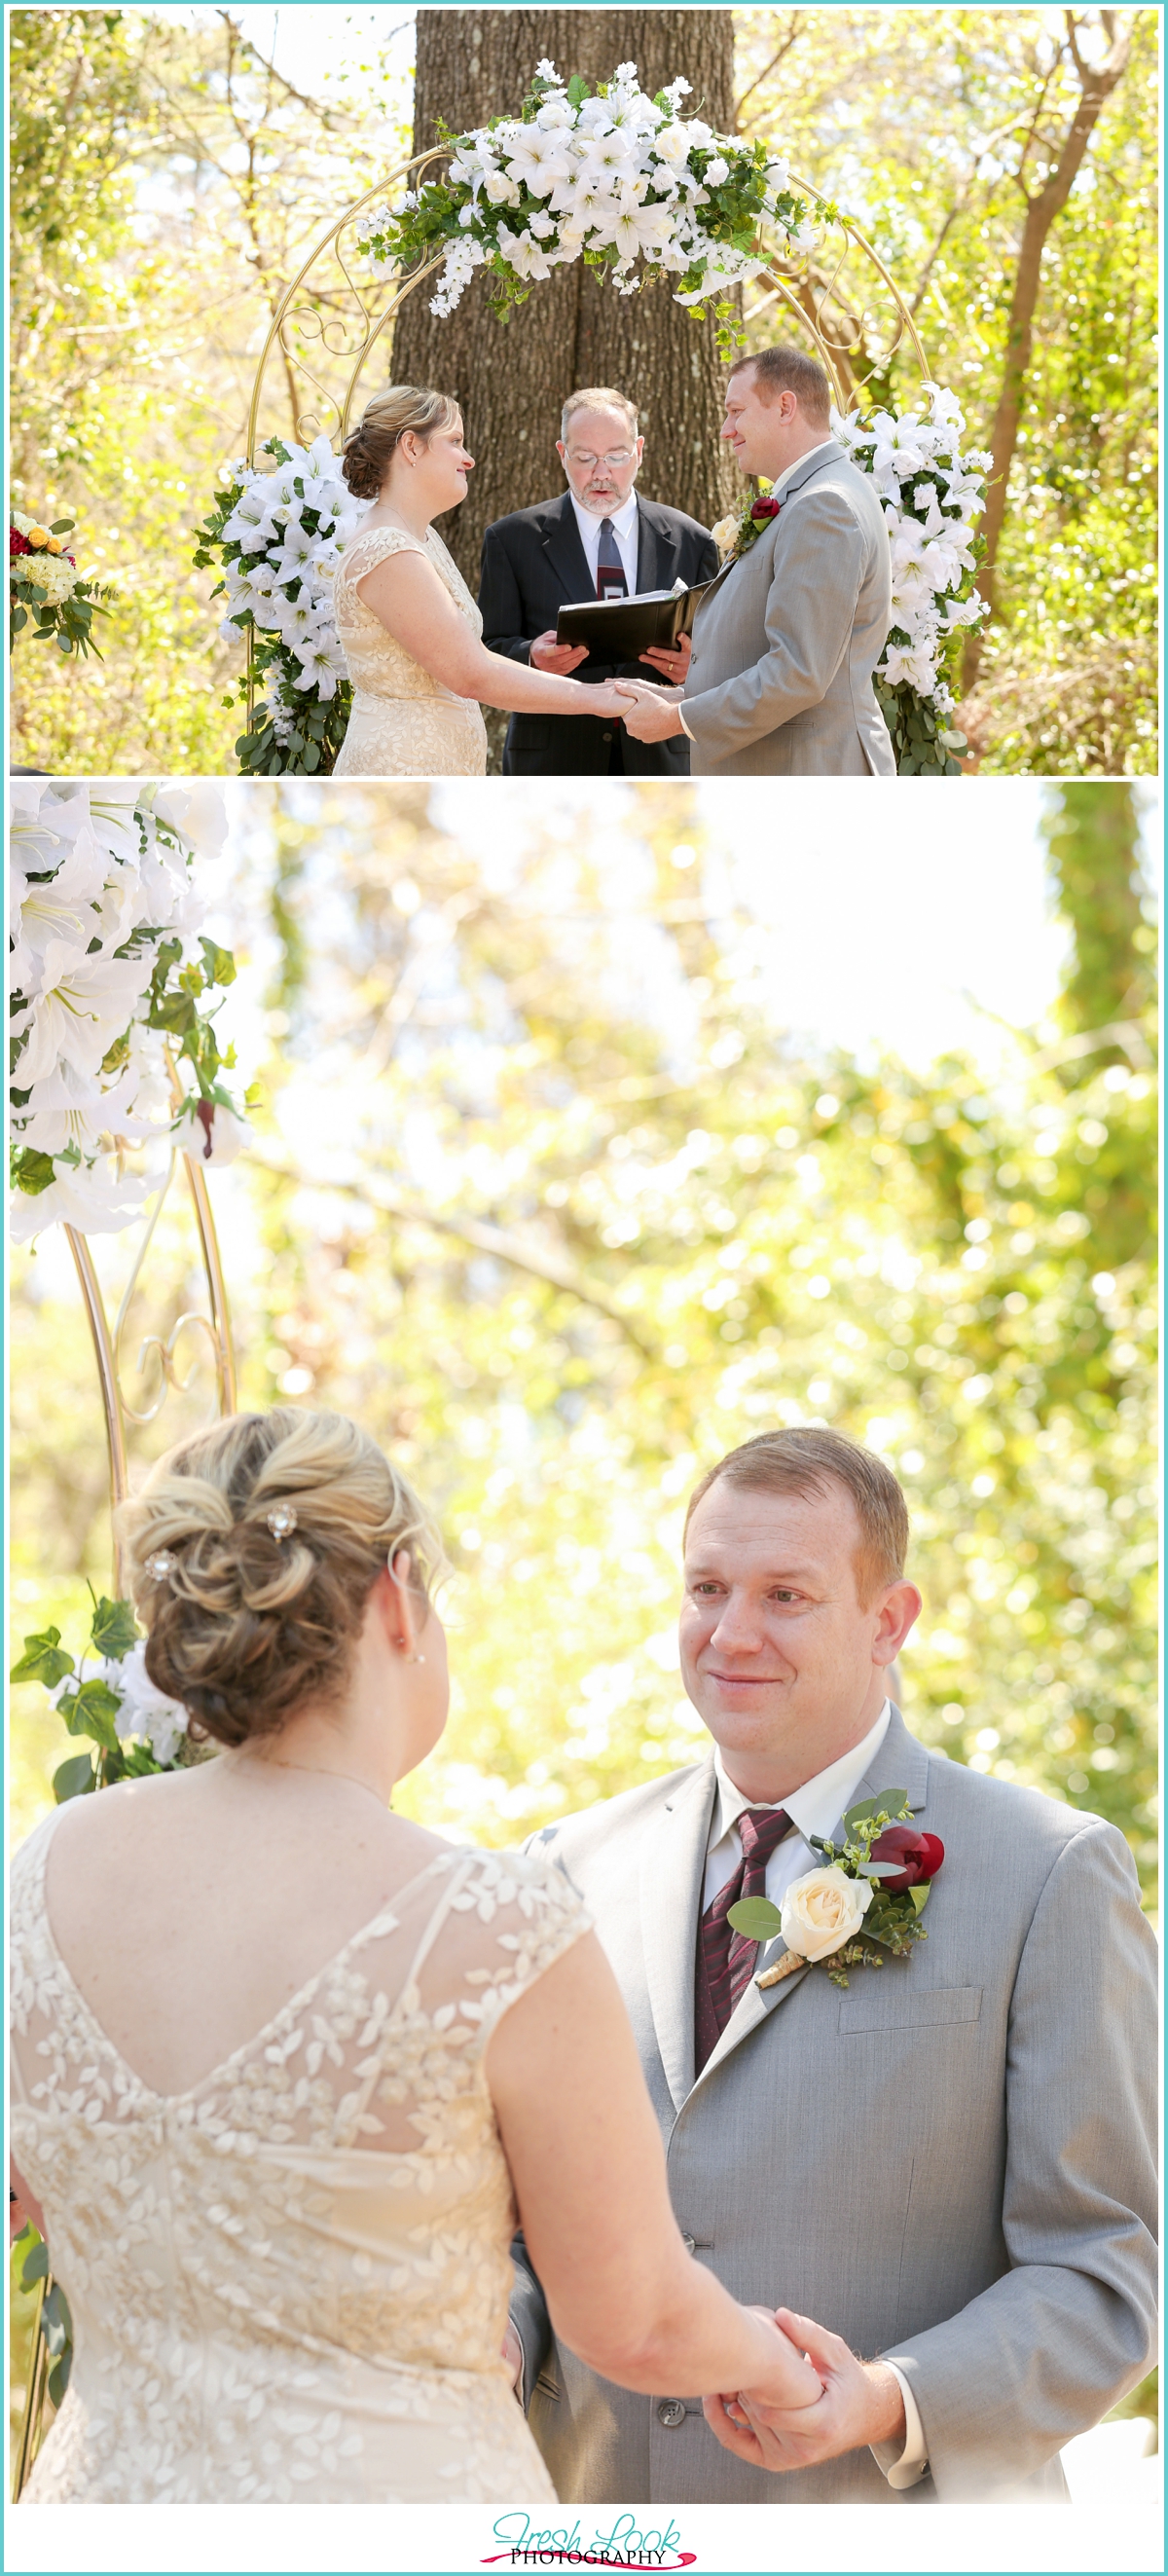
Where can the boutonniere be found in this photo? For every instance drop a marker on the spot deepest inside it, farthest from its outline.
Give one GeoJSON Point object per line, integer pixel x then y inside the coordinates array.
{"type": "Point", "coordinates": [733, 535]}
{"type": "Point", "coordinates": [872, 1888]}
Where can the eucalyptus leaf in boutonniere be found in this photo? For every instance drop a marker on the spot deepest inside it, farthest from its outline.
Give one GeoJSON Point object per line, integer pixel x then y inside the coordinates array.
{"type": "Point", "coordinates": [734, 534]}
{"type": "Point", "coordinates": [872, 1888]}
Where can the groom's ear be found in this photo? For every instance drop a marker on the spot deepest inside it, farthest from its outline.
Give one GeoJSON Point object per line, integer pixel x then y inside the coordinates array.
{"type": "Point", "coordinates": [897, 1613]}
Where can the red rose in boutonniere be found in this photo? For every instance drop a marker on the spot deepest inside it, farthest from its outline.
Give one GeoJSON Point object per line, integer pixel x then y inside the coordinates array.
{"type": "Point", "coordinates": [872, 1888]}
{"type": "Point", "coordinates": [919, 1857]}
{"type": "Point", "coordinates": [733, 535]}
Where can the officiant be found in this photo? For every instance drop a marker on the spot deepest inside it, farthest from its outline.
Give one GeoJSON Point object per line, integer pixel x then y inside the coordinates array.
{"type": "Point", "coordinates": [598, 540]}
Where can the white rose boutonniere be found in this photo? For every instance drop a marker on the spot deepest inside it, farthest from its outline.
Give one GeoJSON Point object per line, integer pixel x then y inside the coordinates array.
{"type": "Point", "coordinates": [871, 1888]}
{"type": "Point", "coordinates": [822, 1910]}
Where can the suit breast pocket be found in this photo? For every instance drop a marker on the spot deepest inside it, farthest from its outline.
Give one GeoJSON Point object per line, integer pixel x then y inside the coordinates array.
{"type": "Point", "coordinates": [917, 2008]}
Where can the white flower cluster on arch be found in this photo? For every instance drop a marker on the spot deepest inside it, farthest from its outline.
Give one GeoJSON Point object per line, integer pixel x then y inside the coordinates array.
{"type": "Point", "coordinates": [105, 920]}
{"type": "Point", "coordinates": [617, 178]}
{"type": "Point", "coordinates": [932, 496]}
{"type": "Point", "coordinates": [278, 529]}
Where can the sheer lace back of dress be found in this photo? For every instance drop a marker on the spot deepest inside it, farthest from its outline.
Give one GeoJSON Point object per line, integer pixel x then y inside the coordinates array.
{"type": "Point", "coordinates": [336, 2189]}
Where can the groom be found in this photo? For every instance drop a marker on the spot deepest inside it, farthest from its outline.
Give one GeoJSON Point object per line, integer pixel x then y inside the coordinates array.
{"type": "Point", "coordinates": [787, 638]}
{"type": "Point", "coordinates": [949, 2165]}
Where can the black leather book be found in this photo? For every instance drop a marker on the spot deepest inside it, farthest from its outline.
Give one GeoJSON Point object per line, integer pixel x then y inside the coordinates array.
{"type": "Point", "coordinates": [618, 630]}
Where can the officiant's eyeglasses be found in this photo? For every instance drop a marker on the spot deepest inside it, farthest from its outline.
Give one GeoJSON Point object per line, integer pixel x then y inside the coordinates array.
{"type": "Point", "coordinates": [616, 456]}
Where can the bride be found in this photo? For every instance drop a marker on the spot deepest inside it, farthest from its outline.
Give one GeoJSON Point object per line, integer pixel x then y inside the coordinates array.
{"type": "Point", "coordinates": [288, 2067]}
{"type": "Point", "coordinates": [408, 627]}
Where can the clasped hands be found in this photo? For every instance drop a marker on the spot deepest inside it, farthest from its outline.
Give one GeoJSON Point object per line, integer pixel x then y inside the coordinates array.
{"type": "Point", "coordinates": [860, 2403]}
{"type": "Point", "coordinates": [647, 710]}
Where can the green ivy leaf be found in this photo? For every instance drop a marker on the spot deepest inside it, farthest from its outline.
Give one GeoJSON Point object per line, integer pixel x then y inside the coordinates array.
{"type": "Point", "coordinates": [91, 1711]}
{"type": "Point", "coordinates": [74, 1778]}
{"type": "Point", "coordinates": [115, 1629]}
{"type": "Point", "coordinates": [919, 1895]}
{"type": "Point", "coordinates": [44, 1660]}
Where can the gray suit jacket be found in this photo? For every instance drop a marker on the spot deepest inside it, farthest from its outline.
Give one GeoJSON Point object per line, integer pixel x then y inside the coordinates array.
{"type": "Point", "coordinates": [951, 2164]}
{"type": "Point", "coordinates": [787, 638]}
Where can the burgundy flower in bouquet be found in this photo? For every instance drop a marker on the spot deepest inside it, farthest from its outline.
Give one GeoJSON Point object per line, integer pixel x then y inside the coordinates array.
{"type": "Point", "coordinates": [765, 507]}
{"type": "Point", "coordinates": [920, 1856]}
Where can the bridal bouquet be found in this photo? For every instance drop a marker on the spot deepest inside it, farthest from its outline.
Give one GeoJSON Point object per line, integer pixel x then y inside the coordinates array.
{"type": "Point", "coordinates": [111, 988]}
{"type": "Point", "coordinates": [932, 496]}
{"type": "Point", "coordinates": [612, 177]}
{"type": "Point", "coordinates": [873, 1888]}
{"type": "Point", "coordinates": [133, 1728]}
{"type": "Point", "coordinates": [278, 535]}
{"type": "Point", "coordinates": [43, 584]}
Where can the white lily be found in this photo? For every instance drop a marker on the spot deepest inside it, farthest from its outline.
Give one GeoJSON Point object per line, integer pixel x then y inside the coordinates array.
{"type": "Point", "coordinates": [524, 254]}
{"type": "Point", "coordinates": [82, 1005]}
{"type": "Point", "coordinates": [322, 664]}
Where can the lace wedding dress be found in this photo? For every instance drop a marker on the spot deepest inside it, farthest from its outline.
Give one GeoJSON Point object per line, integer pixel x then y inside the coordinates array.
{"type": "Point", "coordinates": [403, 724]}
{"type": "Point", "coordinates": [292, 2281]}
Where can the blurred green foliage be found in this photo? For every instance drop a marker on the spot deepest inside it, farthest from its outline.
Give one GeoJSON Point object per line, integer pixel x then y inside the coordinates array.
{"type": "Point", "coordinates": [915, 120]}
{"type": "Point", "coordinates": [164, 181]}
{"type": "Point", "coordinates": [548, 1200]}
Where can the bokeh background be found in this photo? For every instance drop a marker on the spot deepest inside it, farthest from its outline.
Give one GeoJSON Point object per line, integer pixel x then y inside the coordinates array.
{"type": "Point", "coordinates": [605, 1129]}
{"type": "Point", "coordinates": [172, 167]}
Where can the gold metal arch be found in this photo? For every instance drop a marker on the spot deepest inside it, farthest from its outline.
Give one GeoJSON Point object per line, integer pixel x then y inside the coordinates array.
{"type": "Point", "coordinates": [215, 1325]}
{"type": "Point", "coordinates": [335, 315]}
{"type": "Point", "coordinates": [119, 1414]}
{"type": "Point", "coordinates": [339, 316]}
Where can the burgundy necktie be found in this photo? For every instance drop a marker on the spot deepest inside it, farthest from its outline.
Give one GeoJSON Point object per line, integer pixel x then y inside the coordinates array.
{"type": "Point", "coordinates": [726, 1958]}
{"type": "Point", "coordinates": [610, 571]}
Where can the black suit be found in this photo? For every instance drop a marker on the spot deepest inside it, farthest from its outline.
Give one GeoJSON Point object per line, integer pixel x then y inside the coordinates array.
{"type": "Point", "coordinates": [533, 565]}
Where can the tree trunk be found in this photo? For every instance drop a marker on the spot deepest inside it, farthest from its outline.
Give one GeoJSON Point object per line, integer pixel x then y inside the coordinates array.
{"type": "Point", "coordinates": [1093, 839]}
{"type": "Point", "coordinates": [1041, 211]}
{"type": "Point", "coordinates": [511, 378]}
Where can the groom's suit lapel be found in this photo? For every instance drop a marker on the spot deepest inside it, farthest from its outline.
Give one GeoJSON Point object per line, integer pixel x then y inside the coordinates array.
{"type": "Point", "coordinates": [818, 465]}
{"type": "Point", "coordinates": [672, 1871]}
{"type": "Point", "coordinates": [560, 538]}
{"type": "Point", "coordinates": [900, 1763]}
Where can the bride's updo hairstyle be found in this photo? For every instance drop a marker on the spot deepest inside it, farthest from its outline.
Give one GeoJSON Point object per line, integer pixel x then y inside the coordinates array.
{"type": "Point", "coordinates": [247, 1621]}
{"type": "Point", "coordinates": [368, 450]}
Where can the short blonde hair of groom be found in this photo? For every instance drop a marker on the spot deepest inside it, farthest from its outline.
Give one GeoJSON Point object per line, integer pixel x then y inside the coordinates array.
{"type": "Point", "coordinates": [245, 1622]}
{"type": "Point", "coordinates": [599, 398]}
{"type": "Point", "coordinates": [805, 1461]}
{"type": "Point", "coordinates": [790, 371]}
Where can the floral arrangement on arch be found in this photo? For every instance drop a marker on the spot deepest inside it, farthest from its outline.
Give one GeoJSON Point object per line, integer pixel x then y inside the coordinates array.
{"type": "Point", "coordinates": [112, 992]}
{"type": "Point", "coordinates": [609, 176]}
{"type": "Point", "coordinates": [277, 534]}
{"type": "Point", "coordinates": [44, 585]}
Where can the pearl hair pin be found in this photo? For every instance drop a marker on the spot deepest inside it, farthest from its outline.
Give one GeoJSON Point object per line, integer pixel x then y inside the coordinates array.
{"type": "Point", "coordinates": [281, 1522]}
{"type": "Point", "coordinates": [161, 1565]}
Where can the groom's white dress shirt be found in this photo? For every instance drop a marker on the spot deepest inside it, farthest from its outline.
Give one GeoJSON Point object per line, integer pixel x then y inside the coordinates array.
{"type": "Point", "coordinates": [625, 530]}
{"type": "Point", "coordinates": [814, 1809]}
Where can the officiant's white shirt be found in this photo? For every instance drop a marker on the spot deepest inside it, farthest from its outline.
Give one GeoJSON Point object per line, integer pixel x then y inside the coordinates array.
{"type": "Point", "coordinates": [814, 1809]}
{"type": "Point", "coordinates": [624, 523]}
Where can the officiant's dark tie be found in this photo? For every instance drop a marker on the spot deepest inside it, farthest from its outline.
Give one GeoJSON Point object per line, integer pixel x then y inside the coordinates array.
{"type": "Point", "coordinates": [725, 1958]}
{"type": "Point", "coordinates": [610, 571]}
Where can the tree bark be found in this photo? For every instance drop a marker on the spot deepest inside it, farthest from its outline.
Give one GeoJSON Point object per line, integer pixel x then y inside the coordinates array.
{"type": "Point", "coordinates": [512, 378]}
{"type": "Point", "coordinates": [1096, 86]}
